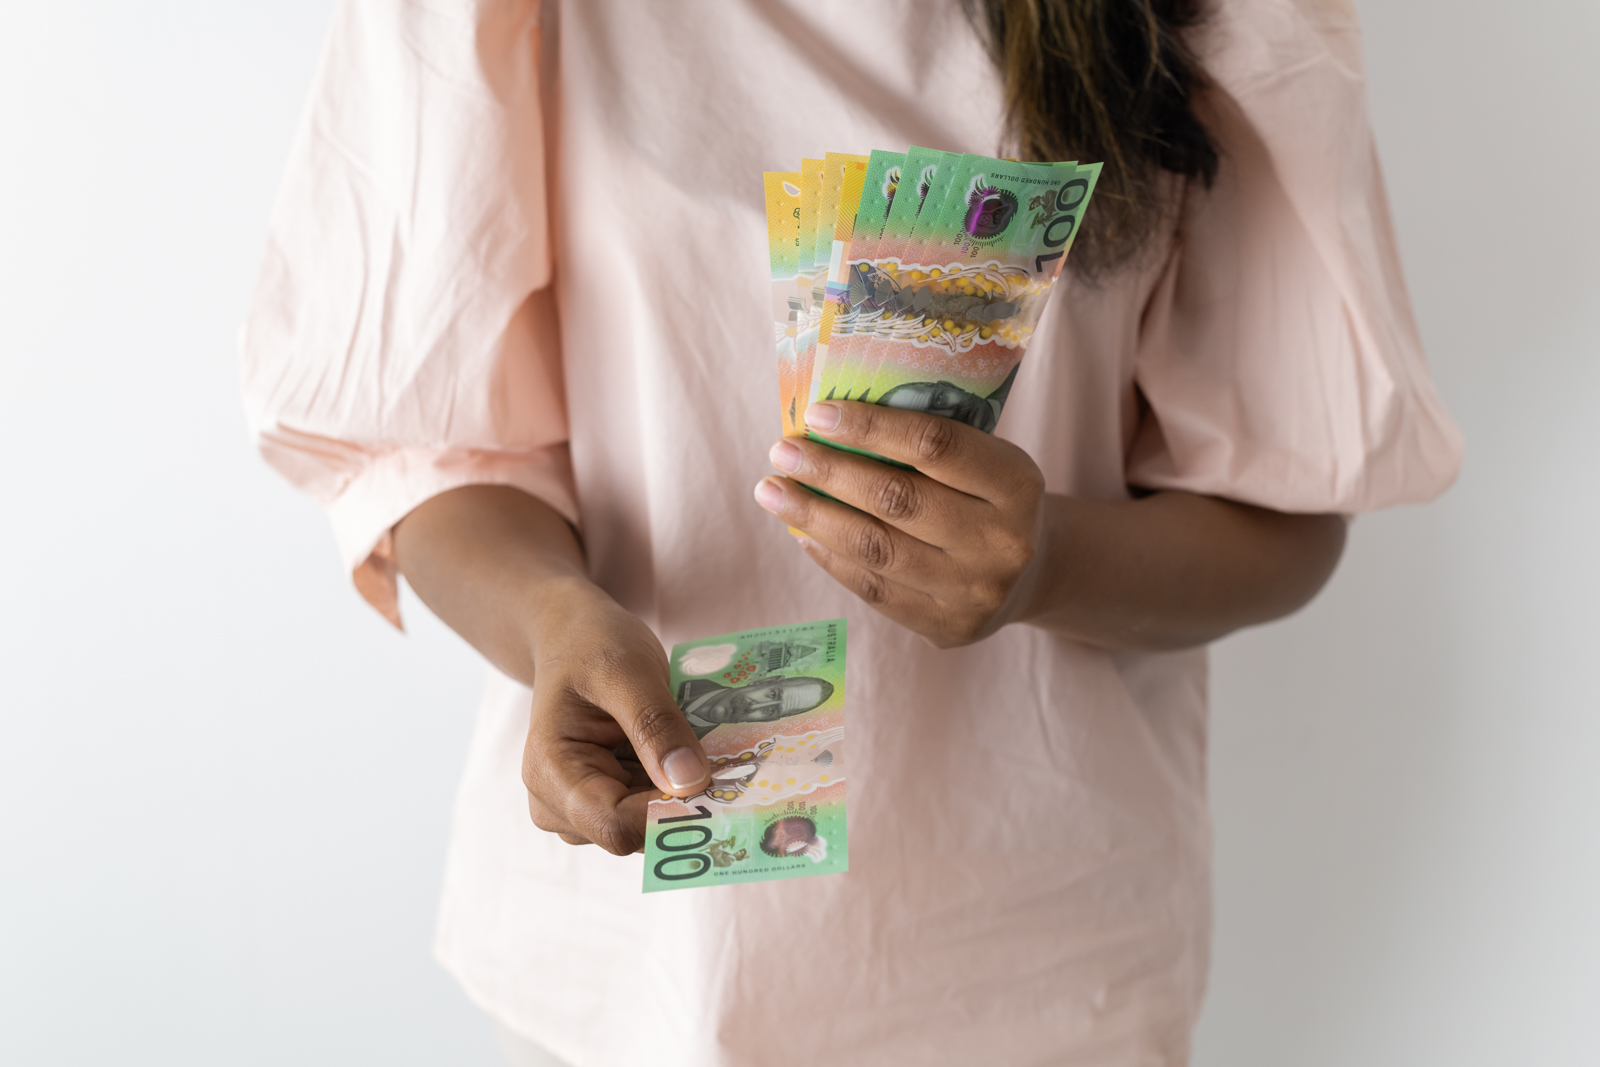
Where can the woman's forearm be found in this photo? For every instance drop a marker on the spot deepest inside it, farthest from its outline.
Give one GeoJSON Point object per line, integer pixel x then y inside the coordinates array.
{"type": "Point", "coordinates": [1169, 570]}
{"type": "Point", "coordinates": [506, 572]}
{"type": "Point", "coordinates": [1174, 569]}
{"type": "Point", "coordinates": [497, 565]}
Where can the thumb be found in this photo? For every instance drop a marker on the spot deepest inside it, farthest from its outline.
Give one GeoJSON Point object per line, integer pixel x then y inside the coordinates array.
{"type": "Point", "coordinates": [660, 734]}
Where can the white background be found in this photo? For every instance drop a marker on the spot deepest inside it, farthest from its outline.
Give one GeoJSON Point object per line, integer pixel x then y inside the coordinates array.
{"type": "Point", "coordinates": [225, 785]}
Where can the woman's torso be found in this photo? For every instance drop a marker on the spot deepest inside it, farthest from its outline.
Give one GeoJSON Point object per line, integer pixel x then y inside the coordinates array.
{"type": "Point", "coordinates": [1028, 835]}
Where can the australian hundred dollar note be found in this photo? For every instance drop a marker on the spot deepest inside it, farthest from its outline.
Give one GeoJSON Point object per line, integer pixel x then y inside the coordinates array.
{"type": "Point", "coordinates": [850, 374]}
{"type": "Point", "coordinates": [769, 708]}
{"type": "Point", "coordinates": [945, 310]}
{"type": "Point", "coordinates": [879, 193]}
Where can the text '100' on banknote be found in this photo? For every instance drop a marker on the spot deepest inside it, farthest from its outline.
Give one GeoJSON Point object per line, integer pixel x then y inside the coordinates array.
{"type": "Point", "coordinates": [768, 705]}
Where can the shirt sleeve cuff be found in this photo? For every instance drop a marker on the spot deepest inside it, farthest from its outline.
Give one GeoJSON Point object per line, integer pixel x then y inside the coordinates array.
{"type": "Point", "coordinates": [395, 483]}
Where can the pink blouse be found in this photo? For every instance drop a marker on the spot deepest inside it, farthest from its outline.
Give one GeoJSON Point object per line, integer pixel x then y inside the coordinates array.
{"type": "Point", "coordinates": [527, 247]}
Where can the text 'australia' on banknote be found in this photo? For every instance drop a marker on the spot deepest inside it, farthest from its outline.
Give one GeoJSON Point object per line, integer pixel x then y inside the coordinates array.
{"type": "Point", "coordinates": [768, 706]}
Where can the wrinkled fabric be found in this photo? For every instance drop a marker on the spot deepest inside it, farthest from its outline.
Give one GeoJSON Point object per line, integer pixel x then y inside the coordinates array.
{"type": "Point", "coordinates": [527, 246]}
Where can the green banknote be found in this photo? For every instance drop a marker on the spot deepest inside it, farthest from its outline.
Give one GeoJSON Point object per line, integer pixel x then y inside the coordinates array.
{"type": "Point", "coordinates": [956, 313]}
{"type": "Point", "coordinates": [768, 705]}
{"type": "Point", "coordinates": [933, 309]}
{"type": "Point", "coordinates": [853, 355]}
{"type": "Point", "coordinates": [879, 190]}
{"type": "Point", "coordinates": [925, 302]}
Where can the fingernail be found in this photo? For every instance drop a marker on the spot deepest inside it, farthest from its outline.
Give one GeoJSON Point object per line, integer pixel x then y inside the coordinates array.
{"type": "Point", "coordinates": [769, 495]}
{"type": "Point", "coordinates": [785, 456]}
{"type": "Point", "coordinates": [803, 542]}
{"type": "Point", "coordinates": [683, 768]}
{"type": "Point", "coordinates": [823, 417]}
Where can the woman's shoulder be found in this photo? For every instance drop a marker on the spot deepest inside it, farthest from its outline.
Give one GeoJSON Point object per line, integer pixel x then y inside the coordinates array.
{"type": "Point", "coordinates": [1267, 42]}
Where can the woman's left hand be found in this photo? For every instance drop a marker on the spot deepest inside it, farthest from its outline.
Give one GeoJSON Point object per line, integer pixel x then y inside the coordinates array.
{"type": "Point", "coordinates": [949, 550]}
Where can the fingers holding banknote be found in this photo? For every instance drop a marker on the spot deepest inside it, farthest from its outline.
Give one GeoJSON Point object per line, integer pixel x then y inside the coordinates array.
{"type": "Point", "coordinates": [949, 549]}
{"type": "Point", "coordinates": [605, 733]}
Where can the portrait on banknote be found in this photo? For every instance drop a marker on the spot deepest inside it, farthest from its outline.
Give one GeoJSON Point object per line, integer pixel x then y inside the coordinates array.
{"type": "Point", "coordinates": [708, 704]}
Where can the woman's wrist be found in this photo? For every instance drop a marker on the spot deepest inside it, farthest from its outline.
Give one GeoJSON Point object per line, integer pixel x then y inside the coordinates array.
{"type": "Point", "coordinates": [1049, 582]}
{"type": "Point", "coordinates": [500, 567]}
{"type": "Point", "coordinates": [1173, 569]}
{"type": "Point", "coordinates": [554, 602]}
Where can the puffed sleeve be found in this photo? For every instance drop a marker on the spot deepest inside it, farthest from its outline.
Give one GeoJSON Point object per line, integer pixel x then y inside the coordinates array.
{"type": "Point", "coordinates": [403, 339]}
{"type": "Point", "coordinates": [1279, 361]}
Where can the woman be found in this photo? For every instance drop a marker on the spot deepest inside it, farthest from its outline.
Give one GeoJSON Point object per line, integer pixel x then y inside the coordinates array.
{"type": "Point", "coordinates": [512, 331]}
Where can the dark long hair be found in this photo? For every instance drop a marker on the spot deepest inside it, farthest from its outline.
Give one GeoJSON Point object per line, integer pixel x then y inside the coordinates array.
{"type": "Point", "coordinates": [1109, 81]}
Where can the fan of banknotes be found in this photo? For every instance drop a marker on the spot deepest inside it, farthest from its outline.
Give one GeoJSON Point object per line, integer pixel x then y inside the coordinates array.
{"type": "Point", "coordinates": [914, 279]}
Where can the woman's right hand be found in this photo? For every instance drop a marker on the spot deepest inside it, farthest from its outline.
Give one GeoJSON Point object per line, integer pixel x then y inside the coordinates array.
{"type": "Point", "coordinates": [506, 572]}
{"type": "Point", "coordinates": [605, 732]}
